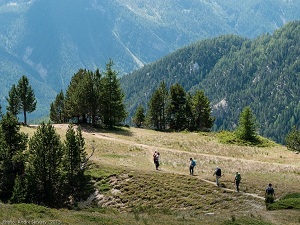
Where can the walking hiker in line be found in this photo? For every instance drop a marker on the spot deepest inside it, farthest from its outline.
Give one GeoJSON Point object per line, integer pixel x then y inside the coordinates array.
{"type": "Point", "coordinates": [156, 159]}
{"type": "Point", "coordinates": [192, 165]}
{"type": "Point", "coordinates": [218, 175]}
{"type": "Point", "coordinates": [270, 195]}
{"type": "Point", "coordinates": [237, 180]}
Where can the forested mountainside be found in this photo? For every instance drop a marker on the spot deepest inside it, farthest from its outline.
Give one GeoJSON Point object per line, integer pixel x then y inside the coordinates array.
{"type": "Point", "coordinates": [49, 41]}
{"type": "Point", "coordinates": [234, 72]}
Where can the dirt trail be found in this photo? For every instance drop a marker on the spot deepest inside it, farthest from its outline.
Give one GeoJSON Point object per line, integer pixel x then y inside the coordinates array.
{"type": "Point", "coordinates": [153, 148]}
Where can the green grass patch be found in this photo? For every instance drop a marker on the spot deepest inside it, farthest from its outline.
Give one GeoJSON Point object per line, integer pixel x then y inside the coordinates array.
{"type": "Point", "coordinates": [102, 176]}
{"type": "Point", "coordinates": [289, 201]}
{"type": "Point", "coordinates": [227, 137]}
{"type": "Point", "coordinates": [115, 156]}
{"type": "Point", "coordinates": [291, 195]}
{"type": "Point", "coordinates": [98, 172]}
{"type": "Point", "coordinates": [245, 220]}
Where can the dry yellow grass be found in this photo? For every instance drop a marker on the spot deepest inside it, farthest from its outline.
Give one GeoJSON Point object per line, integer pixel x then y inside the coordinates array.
{"type": "Point", "coordinates": [132, 149]}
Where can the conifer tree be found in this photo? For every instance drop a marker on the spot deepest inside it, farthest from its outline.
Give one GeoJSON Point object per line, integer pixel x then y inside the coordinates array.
{"type": "Point", "coordinates": [177, 107]}
{"type": "Point", "coordinates": [190, 120]}
{"type": "Point", "coordinates": [139, 117]}
{"type": "Point", "coordinates": [13, 101]}
{"type": "Point", "coordinates": [57, 109]}
{"type": "Point", "coordinates": [45, 180]}
{"type": "Point", "coordinates": [91, 94]}
{"type": "Point", "coordinates": [74, 158]}
{"type": "Point", "coordinates": [113, 109]}
{"type": "Point", "coordinates": [19, 191]}
{"type": "Point", "coordinates": [201, 112]}
{"type": "Point", "coordinates": [157, 105]}
{"type": "Point", "coordinates": [13, 144]}
{"type": "Point", "coordinates": [292, 140]}
{"type": "Point", "coordinates": [26, 97]}
{"type": "Point", "coordinates": [246, 129]}
{"type": "Point", "coordinates": [74, 102]}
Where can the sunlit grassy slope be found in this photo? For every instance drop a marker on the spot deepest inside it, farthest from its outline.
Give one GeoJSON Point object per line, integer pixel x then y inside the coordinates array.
{"type": "Point", "coordinates": [131, 191]}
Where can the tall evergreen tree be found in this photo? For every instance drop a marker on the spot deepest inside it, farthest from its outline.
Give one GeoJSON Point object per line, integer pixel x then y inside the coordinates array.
{"type": "Point", "coordinates": [246, 129]}
{"type": "Point", "coordinates": [44, 172]}
{"type": "Point", "coordinates": [201, 112]}
{"type": "Point", "coordinates": [75, 157]}
{"type": "Point", "coordinates": [153, 114]}
{"type": "Point", "coordinates": [13, 144]}
{"type": "Point", "coordinates": [139, 117]}
{"type": "Point", "coordinates": [113, 109]}
{"type": "Point", "coordinates": [91, 93]}
{"type": "Point", "coordinates": [74, 100]}
{"type": "Point", "coordinates": [157, 107]}
{"type": "Point", "coordinates": [13, 101]}
{"type": "Point", "coordinates": [190, 120]}
{"type": "Point", "coordinates": [177, 107]}
{"type": "Point", "coordinates": [19, 191]}
{"type": "Point", "coordinates": [26, 97]}
{"type": "Point", "coordinates": [57, 109]}
{"type": "Point", "coordinates": [292, 140]}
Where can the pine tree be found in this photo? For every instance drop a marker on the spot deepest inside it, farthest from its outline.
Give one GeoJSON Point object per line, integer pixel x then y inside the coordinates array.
{"type": "Point", "coordinates": [13, 144]}
{"type": "Point", "coordinates": [190, 120]}
{"type": "Point", "coordinates": [113, 109]}
{"type": "Point", "coordinates": [156, 115]}
{"type": "Point", "coordinates": [57, 109]}
{"type": "Point", "coordinates": [13, 101]}
{"type": "Point", "coordinates": [91, 92]}
{"type": "Point", "coordinates": [19, 191]}
{"type": "Point", "coordinates": [292, 140]}
{"type": "Point", "coordinates": [26, 97]}
{"type": "Point", "coordinates": [44, 174]}
{"type": "Point", "coordinates": [246, 129]}
{"type": "Point", "coordinates": [139, 117]}
{"type": "Point", "coordinates": [74, 102]}
{"type": "Point", "coordinates": [177, 107]}
{"type": "Point", "coordinates": [74, 158]}
{"type": "Point", "coordinates": [201, 111]}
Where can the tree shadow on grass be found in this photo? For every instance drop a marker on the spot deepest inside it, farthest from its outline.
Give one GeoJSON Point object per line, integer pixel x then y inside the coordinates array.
{"type": "Point", "coordinates": [125, 131]}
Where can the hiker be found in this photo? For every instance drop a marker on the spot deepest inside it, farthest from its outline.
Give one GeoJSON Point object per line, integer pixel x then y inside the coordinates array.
{"type": "Point", "coordinates": [237, 180]}
{"type": "Point", "coordinates": [270, 195]}
{"type": "Point", "coordinates": [156, 159]}
{"type": "Point", "coordinates": [218, 175]}
{"type": "Point", "coordinates": [192, 165]}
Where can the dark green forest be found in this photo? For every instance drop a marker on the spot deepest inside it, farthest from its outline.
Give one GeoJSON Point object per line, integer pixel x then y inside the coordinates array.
{"type": "Point", "coordinates": [234, 72]}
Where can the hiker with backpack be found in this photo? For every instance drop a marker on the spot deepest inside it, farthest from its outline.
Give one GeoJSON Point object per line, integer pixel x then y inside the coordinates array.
{"type": "Point", "coordinates": [237, 180]}
{"type": "Point", "coordinates": [269, 195]}
{"type": "Point", "coordinates": [156, 159]}
{"type": "Point", "coordinates": [192, 166]}
{"type": "Point", "coordinates": [218, 175]}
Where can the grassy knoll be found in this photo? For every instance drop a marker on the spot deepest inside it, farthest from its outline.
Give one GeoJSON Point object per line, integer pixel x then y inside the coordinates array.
{"type": "Point", "coordinates": [131, 191]}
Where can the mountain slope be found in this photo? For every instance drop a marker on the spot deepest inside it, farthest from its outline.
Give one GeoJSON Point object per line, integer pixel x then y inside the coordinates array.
{"type": "Point", "coordinates": [48, 41]}
{"type": "Point", "coordinates": [233, 72]}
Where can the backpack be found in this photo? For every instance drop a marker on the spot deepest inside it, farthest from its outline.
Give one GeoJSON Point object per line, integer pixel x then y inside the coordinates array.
{"type": "Point", "coordinates": [218, 172]}
{"type": "Point", "coordinates": [270, 190]}
{"type": "Point", "coordinates": [193, 163]}
{"type": "Point", "coordinates": [238, 177]}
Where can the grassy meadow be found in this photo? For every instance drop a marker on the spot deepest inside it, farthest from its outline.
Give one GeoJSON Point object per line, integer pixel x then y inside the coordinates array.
{"type": "Point", "coordinates": [130, 191]}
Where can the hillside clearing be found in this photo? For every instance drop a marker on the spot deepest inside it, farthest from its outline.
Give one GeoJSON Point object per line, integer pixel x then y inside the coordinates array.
{"type": "Point", "coordinates": [127, 181]}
